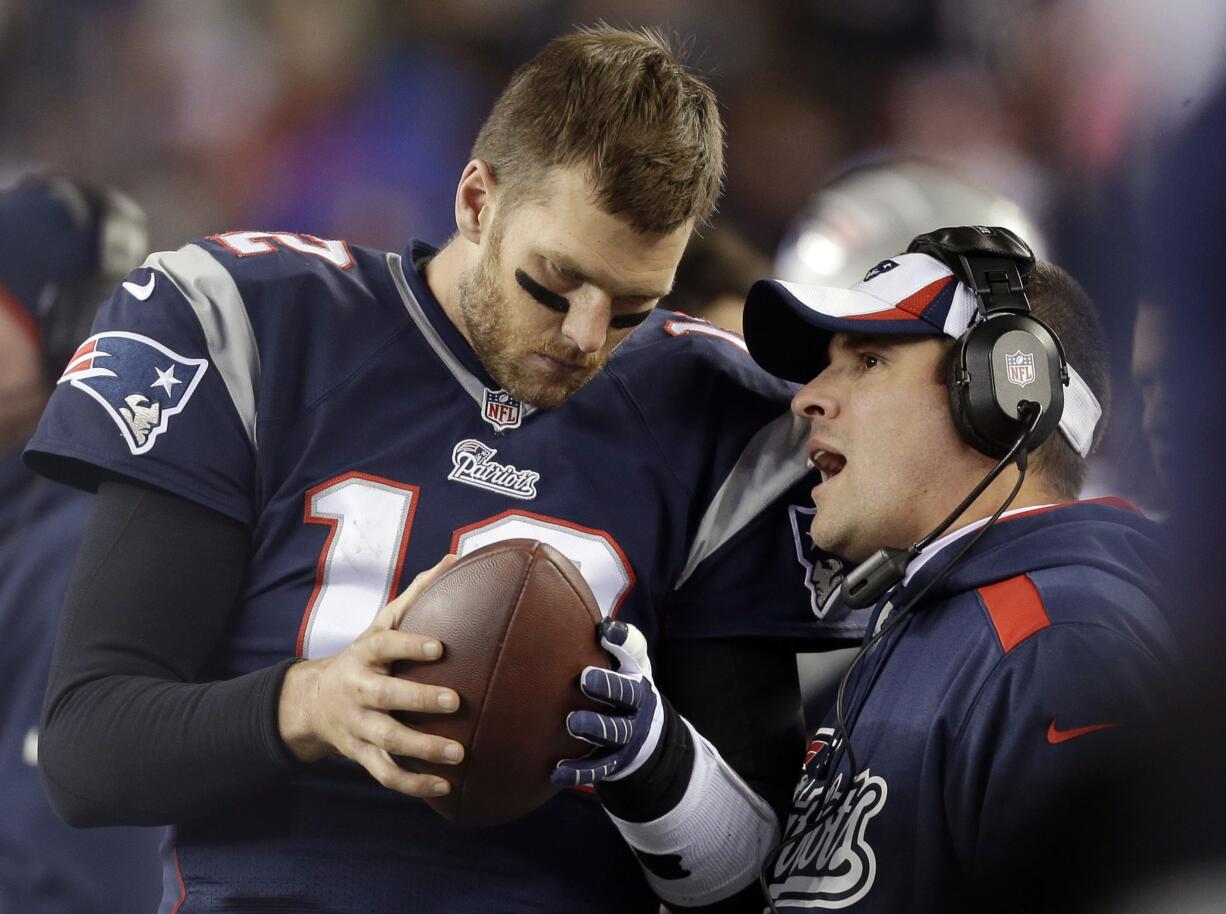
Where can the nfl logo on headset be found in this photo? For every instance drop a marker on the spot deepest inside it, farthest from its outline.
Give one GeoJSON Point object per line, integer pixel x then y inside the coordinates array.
{"type": "Point", "coordinates": [501, 410]}
{"type": "Point", "coordinates": [1020, 367]}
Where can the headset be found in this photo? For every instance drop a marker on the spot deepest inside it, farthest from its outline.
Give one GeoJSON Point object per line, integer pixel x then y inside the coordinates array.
{"type": "Point", "coordinates": [1007, 354]}
{"type": "Point", "coordinates": [1006, 379]}
{"type": "Point", "coordinates": [1006, 376]}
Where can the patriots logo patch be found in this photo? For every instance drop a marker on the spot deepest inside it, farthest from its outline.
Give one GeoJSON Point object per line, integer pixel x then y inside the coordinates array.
{"type": "Point", "coordinates": [826, 859]}
{"type": "Point", "coordinates": [884, 267]}
{"type": "Point", "coordinates": [823, 572]}
{"type": "Point", "coordinates": [138, 381]}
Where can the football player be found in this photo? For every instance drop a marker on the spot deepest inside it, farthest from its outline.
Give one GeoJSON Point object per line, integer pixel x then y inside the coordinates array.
{"type": "Point", "coordinates": [1015, 648]}
{"type": "Point", "coordinates": [63, 245]}
{"type": "Point", "coordinates": [282, 429]}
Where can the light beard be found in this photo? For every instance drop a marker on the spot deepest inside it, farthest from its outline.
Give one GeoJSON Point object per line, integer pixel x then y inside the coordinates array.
{"type": "Point", "coordinates": [506, 353]}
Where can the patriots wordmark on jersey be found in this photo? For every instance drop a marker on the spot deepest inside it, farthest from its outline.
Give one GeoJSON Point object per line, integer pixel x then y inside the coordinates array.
{"type": "Point", "coordinates": [318, 393]}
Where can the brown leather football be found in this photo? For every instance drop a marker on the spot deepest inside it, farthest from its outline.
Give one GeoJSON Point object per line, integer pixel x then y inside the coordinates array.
{"type": "Point", "coordinates": [518, 625]}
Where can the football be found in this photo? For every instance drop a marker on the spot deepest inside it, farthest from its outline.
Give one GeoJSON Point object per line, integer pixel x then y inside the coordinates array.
{"type": "Point", "coordinates": [518, 625]}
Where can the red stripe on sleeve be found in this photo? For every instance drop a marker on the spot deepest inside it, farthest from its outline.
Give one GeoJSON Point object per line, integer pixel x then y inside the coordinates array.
{"type": "Point", "coordinates": [1016, 610]}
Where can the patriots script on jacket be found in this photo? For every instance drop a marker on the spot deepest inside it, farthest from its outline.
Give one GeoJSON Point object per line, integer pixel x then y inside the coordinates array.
{"type": "Point", "coordinates": [1008, 691]}
{"type": "Point", "coordinates": [318, 393]}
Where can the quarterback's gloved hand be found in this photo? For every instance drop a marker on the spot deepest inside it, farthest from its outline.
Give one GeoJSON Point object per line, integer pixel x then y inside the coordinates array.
{"type": "Point", "coordinates": [644, 749]}
{"type": "Point", "coordinates": [699, 832]}
{"type": "Point", "coordinates": [626, 736]}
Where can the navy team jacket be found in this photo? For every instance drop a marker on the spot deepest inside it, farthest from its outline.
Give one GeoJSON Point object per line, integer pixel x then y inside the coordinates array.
{"type": "Point", "coordinates": [1021, 677]}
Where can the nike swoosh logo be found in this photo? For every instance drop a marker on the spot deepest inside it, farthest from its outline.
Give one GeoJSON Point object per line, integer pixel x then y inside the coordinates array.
{"type": "Point", "coordinates": [141, 292]}
{"type": "Point", "coordinates": [1055, 737]}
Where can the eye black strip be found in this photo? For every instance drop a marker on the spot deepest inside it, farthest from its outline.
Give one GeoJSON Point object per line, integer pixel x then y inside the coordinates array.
{"type": "Point", "coordinates": [555, 302]}
{"type": "Point", "coordinates": [550, 300]}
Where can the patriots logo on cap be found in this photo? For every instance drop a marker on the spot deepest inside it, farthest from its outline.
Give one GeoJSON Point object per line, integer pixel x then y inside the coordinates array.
{"type": "Point", "coordinates": [138, 381]}
{"type": "Point", "coordinates": [884, 267]}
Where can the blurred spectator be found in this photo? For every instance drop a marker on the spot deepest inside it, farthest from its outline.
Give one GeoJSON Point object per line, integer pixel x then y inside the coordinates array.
{"type": "Point", "coordinates": [1180, 335]}
{"type": "Point", "coordinates": [1153, 370]}
{"type": "Point", "coordinates": [60, 244]}
{"type": "Point", "coordinates": [715, 274]}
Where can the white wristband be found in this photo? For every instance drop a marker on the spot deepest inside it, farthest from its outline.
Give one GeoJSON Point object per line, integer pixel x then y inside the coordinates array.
{"type": "Point", "coordinates": [719, 833]}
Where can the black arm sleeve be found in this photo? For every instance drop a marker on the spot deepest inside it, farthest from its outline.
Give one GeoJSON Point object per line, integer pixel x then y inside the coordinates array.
{"type": "Point", "coordinates": [742, 694]}
{"type": "Point", "coordinates": [129, 737]}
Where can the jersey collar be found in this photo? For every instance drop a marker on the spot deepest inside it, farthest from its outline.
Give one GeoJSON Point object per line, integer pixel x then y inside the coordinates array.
{"type": "Point", "coordinates": [408, 275]}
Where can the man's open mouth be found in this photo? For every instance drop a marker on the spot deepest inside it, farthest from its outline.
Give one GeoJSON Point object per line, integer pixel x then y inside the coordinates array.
{"type": "Point", "coordinates": [829, 463]}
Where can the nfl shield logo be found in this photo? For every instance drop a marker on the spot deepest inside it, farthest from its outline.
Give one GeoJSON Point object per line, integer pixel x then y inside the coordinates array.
{"type": "Point", "coordinates": [501, 410]}
{"type": "Point", "coordinates": [1021, 368]}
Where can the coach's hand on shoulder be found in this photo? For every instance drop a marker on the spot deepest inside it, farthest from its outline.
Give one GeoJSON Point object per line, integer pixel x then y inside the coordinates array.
{"type": "Point", "coordinates": [343, 703]}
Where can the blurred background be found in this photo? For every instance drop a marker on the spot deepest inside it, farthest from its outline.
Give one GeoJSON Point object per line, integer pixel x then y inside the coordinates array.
{"type": "Point", "coordinates": [353, 120]}
{"type": "Point", "coordinates": [1094, 127]}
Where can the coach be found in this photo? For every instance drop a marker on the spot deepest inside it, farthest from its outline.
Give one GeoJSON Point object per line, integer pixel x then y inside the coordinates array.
{"type": "Point", "coordinates": [1015, 647]}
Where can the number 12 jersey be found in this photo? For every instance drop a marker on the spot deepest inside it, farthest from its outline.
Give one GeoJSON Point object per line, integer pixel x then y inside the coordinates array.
{"type": "Point", "coordinates": [318, 393]}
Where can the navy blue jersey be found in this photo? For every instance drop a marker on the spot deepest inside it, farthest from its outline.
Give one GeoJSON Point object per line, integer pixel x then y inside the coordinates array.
{"type": "Point", "coordinates": [1022, 674]}
{"type": "Point", "coordinates": [319, 394]}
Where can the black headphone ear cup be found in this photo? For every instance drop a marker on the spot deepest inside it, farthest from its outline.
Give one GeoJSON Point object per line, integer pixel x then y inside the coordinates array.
{"type": "Point", "coordinates": [986, 387]}
{"type": "Point", "coordinates": [960, 401]}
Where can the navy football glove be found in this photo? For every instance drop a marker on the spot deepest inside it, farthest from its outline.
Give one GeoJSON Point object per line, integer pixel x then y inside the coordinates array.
{"type": "Point", "coordinates": [644, 752]}
{"type": "Point", "coordinates": [698, 830]}
{"type": "Point", "coordinates": [626, 736]}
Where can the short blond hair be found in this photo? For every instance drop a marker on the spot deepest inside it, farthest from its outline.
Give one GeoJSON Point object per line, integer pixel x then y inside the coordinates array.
{"type": "Point", "coordinates": [621, 105]}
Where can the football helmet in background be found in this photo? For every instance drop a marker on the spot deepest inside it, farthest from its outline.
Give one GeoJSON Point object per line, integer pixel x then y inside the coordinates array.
{"type": "Point", "coordinates": [873, 211]}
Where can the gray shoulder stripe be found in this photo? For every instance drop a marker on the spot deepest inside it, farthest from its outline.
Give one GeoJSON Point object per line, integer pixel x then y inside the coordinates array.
{"type": "Point", "coordinates": [472, 386]}
{"type": "Point", "coordinates": [772, 461]}
{"type": "Point", "coordinates": [214, 296]}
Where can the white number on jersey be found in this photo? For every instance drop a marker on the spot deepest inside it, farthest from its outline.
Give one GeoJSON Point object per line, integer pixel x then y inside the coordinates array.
{"type": "Point", "coordinates": [245, 244]}
{"type": "Point", "coordinates": [698, 325]}
{"type": "Point", "coordinates": [371, 520]}
{"type": "Point", "coordinates": [594, 552]}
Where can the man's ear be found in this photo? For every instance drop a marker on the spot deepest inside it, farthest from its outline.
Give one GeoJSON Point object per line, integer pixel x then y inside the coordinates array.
{"type": "Point", "coordinates": [473, 200]}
